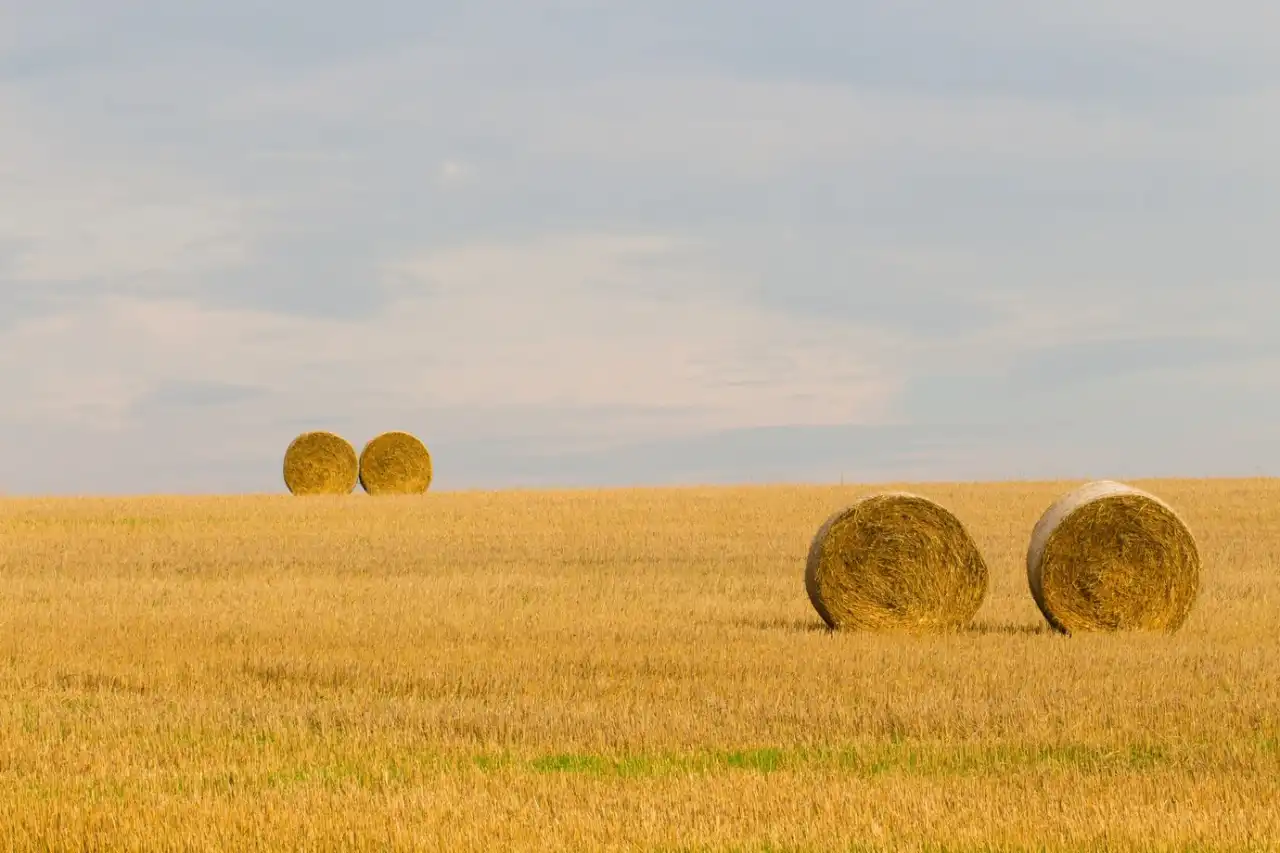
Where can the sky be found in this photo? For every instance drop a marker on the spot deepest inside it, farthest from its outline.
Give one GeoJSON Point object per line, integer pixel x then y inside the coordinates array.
{"type": "Point", "coordinates": [595, 243]}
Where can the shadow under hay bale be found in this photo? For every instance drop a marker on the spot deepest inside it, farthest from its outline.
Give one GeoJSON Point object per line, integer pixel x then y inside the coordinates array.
{"type": "Point", "coordinates": [1109, 557]}
{"type": "Point", "coordinates": [320, 463]}
{"type": "Point", "coordinates": [395, 463]}
{"type": "Point", "coordinates": [895, 561]}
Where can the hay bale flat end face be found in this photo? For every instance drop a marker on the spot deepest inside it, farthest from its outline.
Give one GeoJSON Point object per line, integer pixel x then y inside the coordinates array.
{"type": "Point", "coordinates": [320, 463]}
{"type": "Point", "coordinates": [395, 463]}
{"type": "Point", "coordinates": [1109, 557]}
{"type": "Point", "coordinates": [895, 561]}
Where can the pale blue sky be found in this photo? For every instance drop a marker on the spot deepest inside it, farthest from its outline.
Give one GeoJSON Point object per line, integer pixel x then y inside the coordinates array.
{"type": "Point", "coordinates": [592, 242]}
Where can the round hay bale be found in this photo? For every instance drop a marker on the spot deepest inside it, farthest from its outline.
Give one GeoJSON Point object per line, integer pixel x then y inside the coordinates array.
{"type": "Point", "coordinates": [1109, 557]}
{"type": "Point", "coordinates": [395, 463]}
{"type": "Point", "coordinates": [320, 463]}
{"type": "Point", "coordinates": [895, 561]}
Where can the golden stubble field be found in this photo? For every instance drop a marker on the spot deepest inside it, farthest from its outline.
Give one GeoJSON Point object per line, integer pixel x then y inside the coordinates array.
{"type": "Point", "coordinates": [606, 670]}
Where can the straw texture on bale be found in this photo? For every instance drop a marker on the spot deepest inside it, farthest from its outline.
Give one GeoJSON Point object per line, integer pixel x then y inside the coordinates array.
{"type": "Point", "coordinates": [395, 463]}
{"type": "Point", "coordinates": [895, 561]}
{"type": "Point", "coordinates": [320, 463]}
{"type": "Point", "coordinates": [1109, 557]}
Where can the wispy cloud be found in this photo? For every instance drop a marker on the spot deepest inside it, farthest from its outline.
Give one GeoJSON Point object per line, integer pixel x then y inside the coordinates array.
{"type": "Point", "coordinates": [116, 224]}
{"type": "Point", "coordinates": [636, 327]}
{"type": "Point", "coordinates": [607, 321]}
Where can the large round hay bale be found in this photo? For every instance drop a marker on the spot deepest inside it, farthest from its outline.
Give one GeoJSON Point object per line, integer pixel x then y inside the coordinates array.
{"type": "Point", "coordinates": [895, 561]}
{"type": "Point", "coordinates": [320, 463]}
{"type": "Point", "coordinates": [395, 463]}
{"type": "Point", "coordinates": [1109, 557]}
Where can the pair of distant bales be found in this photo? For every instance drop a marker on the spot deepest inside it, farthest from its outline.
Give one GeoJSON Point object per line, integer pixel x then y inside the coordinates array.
{"type": "Point", "coordinates": [322, 463]}
{"type": "Point", "coordinates": [1103, 557]}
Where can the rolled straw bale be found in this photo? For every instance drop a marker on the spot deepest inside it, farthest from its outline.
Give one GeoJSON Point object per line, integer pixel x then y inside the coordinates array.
{"type": "Point", "coordinates": [895, 561]}
{"type": "Point", "coordinates": [395, 463]}
{"type": "Point", "coordinates": [1109, 557]}
{"type": "Point", "coordinates": [320, 463]}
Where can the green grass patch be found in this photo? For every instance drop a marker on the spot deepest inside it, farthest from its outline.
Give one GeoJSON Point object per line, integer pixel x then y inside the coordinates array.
{"type": "Point", "coordinates": [591, 765]}
{"type": "Point", "coordinates": [293, 761]}
{"type": "Point", "coordinates": [869, 761]}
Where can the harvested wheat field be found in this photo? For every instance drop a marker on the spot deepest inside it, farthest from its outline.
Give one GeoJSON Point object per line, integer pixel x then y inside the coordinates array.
{"type": "Point", "coordinates": [624, 670]}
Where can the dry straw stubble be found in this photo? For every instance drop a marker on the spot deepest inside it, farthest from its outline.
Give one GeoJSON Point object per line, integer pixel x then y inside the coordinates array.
{"type": "Point", "coordinates": [395, 463]}
{"type": "Point", "coordinates": [895, 561]}
{"type": "Point", "coordinates": [320, 463]}
{"type": "Point", "coordinates": [1109, 557]}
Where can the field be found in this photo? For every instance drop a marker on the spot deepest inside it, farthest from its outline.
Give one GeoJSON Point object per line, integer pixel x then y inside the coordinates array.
{"type": "Point", "coordinates": [606, 670]}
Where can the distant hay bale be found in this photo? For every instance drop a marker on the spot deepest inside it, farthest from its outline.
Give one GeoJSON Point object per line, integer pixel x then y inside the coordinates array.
{"type": "Point", "coordinates": [395, 463]}
{"type": "Point", "coordinates": [320, 463]}
{"type": "Point", "coordinates": [1109, 557]}
{"type": "Point", "coordinates": [895, 561]}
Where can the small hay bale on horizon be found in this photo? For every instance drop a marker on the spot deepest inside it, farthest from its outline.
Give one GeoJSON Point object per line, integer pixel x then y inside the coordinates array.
{"type": "Point", "coordinates": [1109, 557]}
{"type": "Point", "coordinates": [320, 463]}
{"type": "Point", "coordinates": [895, 561]}
{"type": "Point", "coordinates": [395, 463]}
